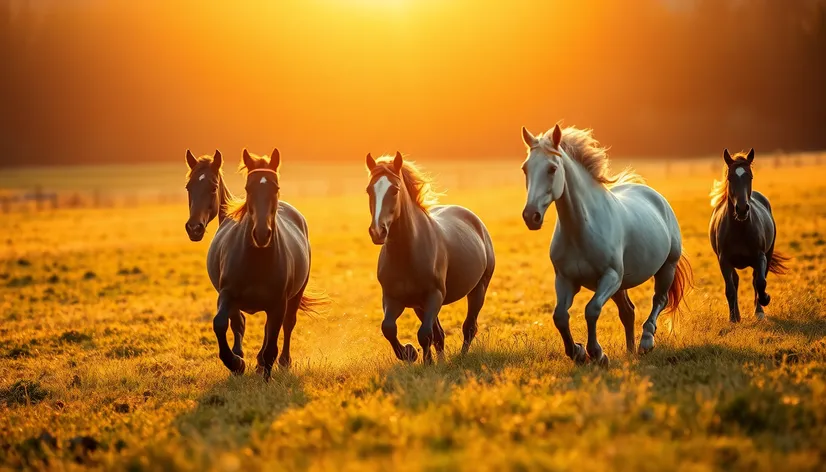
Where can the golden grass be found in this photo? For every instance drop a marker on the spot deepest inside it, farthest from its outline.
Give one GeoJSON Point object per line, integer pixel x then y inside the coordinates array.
{"type": "Point", "coordinates": [105, 331]}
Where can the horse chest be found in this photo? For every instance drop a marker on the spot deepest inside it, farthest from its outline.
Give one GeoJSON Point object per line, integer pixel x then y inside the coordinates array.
{"type": "Point", "coordinates": [584, 266]}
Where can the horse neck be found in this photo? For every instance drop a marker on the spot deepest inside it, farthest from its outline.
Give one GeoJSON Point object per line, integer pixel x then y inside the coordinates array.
{"type": "Point", "coordinates": [581, 198]}
{"type": "Point", "coordinates": [225, 197]}
{"type": "Point", "coordinates": [407, 228]}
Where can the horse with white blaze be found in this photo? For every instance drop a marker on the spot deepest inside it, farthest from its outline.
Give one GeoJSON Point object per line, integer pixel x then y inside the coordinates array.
{"type": "Point", "coordinates": [612, 233]}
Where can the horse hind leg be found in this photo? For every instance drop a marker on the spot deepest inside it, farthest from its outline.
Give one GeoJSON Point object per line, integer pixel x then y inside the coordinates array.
{"type": "Point", "coordinates": [627, 316]}
{"type": "Point", "coordinates": [662, 282]}
{"type": "Point", "coordinates": [475, 301]}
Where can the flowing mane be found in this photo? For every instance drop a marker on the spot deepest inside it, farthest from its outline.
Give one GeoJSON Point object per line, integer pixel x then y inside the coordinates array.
{"type": "Point", "coordinates": [582, 147]}
{"type": "Point", "coordinates": [419, 185]}
{"type": "Point", "coordinates": [719, 190]}
{"type": "Point", "coordinates": [237, 208]}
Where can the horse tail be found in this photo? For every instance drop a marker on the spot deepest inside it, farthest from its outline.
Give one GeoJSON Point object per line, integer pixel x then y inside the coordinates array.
{"type": "Point", "coordinates": [777, 264]}
{"type": "Point", "coordinates": [683, 282]}
{"type": "Point", "coordinates": [314, 302]}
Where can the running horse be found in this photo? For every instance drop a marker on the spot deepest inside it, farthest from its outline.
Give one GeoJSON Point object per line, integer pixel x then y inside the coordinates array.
{"type": "Point", "coordinates": [612, 233]}
{"type": "Point", "coordinates": [432, 255]}
{"type": "Point", "coordinates": [743, 232]}
{"type": "Point", "coordinates": [259, 260]}
{"type": "Point", "coordinates": [208, 195]}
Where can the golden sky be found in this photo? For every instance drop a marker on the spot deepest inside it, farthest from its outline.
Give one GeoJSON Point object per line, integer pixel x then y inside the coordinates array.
{"type": "Point", "coordinates": [334, 79]}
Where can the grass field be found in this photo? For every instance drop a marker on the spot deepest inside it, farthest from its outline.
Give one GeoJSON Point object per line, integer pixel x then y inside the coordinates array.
{"type": "Point", "coordinates": [106, 332]}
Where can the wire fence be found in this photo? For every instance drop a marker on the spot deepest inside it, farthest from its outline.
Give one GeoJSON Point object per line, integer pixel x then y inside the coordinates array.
{"type": "Point", "coordinates": [45, 189]}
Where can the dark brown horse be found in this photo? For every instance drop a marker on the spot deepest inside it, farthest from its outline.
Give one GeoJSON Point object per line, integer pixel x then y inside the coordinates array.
{"type": "Point", "coordinates": [259, 260]}
{"type": "Point", "coordinates": [431, 255]}
{"type": "Point", "coordinates": [208, 195]}
{"type": "Point", "coordinates": [743, 233]}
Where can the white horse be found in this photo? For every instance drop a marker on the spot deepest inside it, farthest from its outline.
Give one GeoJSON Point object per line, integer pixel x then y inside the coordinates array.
{"type": "Point", "coordinates": [612, 233]}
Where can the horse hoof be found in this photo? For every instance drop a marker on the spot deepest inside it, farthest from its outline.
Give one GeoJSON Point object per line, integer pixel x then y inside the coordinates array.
{"type": "Point", "coordinates": [764, 299]}
{"type": "Point", "coordinates": [646, 343]}
{"type": "Point", "coordinates": [410, 354]}
{"type": "Point", "coordinates": [604, 361]}
{"type": "Point", "coordinates": [760, 315]}
{"type": "Point", "coordinates": [285, 363]}
{"type": "Point", "coordinates": [579, 356]}
{"type": "Point", "coordinates": [240, 368]}
{"type": "Point", "coordinates": [465, 348]}
{"type": "Point", "coordinates": [260, 370]}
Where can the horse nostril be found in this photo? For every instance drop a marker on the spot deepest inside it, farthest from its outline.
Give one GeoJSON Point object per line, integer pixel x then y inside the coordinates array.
{"type": "Point", "coordinates": [536, 217]}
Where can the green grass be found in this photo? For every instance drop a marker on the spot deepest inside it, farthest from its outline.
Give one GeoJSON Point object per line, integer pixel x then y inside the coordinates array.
{"type": "Point", "coordinates": [105, 332]}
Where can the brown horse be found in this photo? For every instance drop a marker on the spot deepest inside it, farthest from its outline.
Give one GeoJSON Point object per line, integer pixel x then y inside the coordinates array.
{"type": "Point", "coordinates": [431, 255]}
{"type": "Point", "coordinates": [259, 260]}
{"type": "Point", "coordinates": [743, 232]}
{"type": "Point", "coordinates": [208, 195]}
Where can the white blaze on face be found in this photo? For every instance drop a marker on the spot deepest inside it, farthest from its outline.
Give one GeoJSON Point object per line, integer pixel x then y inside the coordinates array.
{"type": "Point", "coordinates": [263, 180]}
{"type": "Point", "coordinates": [739, 171]}
{"type": "Point", "coordinates": [202, 177]}
{"type": "Point", "coordinates": [380, 190]}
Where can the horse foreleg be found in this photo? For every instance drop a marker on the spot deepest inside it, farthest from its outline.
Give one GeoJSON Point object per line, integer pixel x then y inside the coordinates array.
{"type": "Point", "coordinates": [238, 325]}
{"type": "Point", "coordinates": [392, 311]}
{"type": "Point", "coordinates": [275, 318]}
{"type": "Point", "coordinates": [475, 300]}
{"type": "Point", "coordinates": [565, 291]}
{"type": "Point", "coordinates": [438, 334]}
{"type": "Point", "coordinates": [662, 282]}
{"type": "Point", "coordinates": [220, 325]}
{"type": "Point", "coordinates": [290, 318]}
{"type": "Point", "coordinates": [761, 298]}
{"type": "Point", "coordinates": [732, 281]}
{"type": "Point", "coordinates": [431, 308]}
{"type": "Point", "coordinates": [607, 286]}
{"type": "Point", "coordinates": [627, 316]}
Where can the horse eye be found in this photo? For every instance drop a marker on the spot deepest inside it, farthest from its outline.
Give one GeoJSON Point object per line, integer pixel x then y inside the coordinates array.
{"type": "Point", "coordinates": [552, 170]}
{"type": "Point", "coordinates": [394, 190]}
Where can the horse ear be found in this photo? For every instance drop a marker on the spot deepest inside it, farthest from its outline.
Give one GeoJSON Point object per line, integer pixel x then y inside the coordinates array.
{"type": "Point", "coordinates": [249, 163]}
{"type": "Point", "coordinates": [370, 162]}
{"type": "Point", "coordinates": [557, 136]}
{"type": "Point", "coordinates": [398, 162]}
{"type": "Point", "coordinates": [217, 161]}
{"type": "Point", "coordinates": [190, 159]}
{"type": "Point", "coordinates": [727, 157]}
{"type": "Point", "coordinates": [275, 160]}
{"type": "Point", "coordinates": [750, 157]}
{"type": "Point", "coordinates": [528, 138]}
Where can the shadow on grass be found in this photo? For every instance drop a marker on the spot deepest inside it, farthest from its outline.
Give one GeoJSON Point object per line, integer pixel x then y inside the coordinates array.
{"type": "Point", "coordinates": [233, 410]}
{"type": "Point", "coordinates": [812, 328]}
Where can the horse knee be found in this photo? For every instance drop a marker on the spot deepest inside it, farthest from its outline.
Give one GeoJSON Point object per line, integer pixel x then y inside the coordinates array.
{"type": "Point", "coordinates": [425, 335]}
{"type": "Point", "coordinates": [220, 324]}
{"type": "Point", "coordinates": [389, 329]}
{"type": "Point", "coordinates": [561, 317]}
{"type": "Point", "coordinates": [592, 311]}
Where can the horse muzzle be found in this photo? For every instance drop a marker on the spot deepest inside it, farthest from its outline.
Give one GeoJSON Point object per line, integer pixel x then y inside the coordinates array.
{"type": "Point", "coordinates": [378, 235]}
{"type": "Point", "coordinates": [533, 218]}
{"type": "Point", "coordinates": [195, 231]}
{"type": "Point", "coordinates": [261, 237]}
